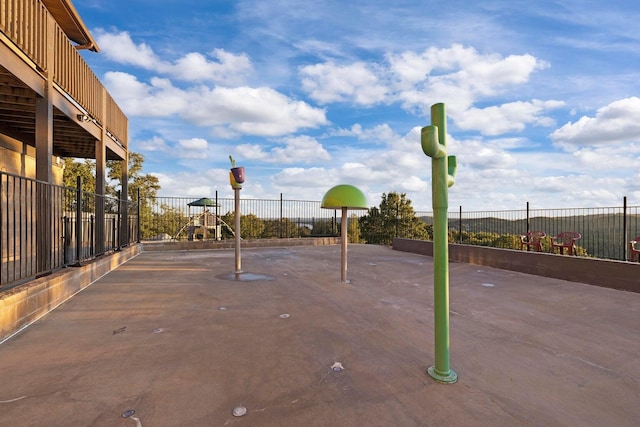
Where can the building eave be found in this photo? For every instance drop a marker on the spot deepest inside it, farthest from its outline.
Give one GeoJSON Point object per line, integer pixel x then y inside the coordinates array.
{"type": "Point", "coordinates": [67, 17]}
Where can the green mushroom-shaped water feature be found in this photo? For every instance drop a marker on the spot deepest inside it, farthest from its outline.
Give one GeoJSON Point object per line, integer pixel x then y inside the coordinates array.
{"type": "Point", "coordinates": [344, 197]}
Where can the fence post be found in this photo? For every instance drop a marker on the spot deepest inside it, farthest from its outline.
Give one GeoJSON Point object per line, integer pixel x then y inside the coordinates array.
{"type": "Point", "coordinates": [460, 225]}
{"type": "Point", "coordinates": [527, 219]}
{"type": "Point", "coordinates": [139, 233]}
{"type": "Point", "coordinates": [78, 220]}
{"type": "Point", "coordinates": [280, 227]}
{"type": "Point", "coordinates": [397, 216]}
{"type": "Point", "coordinates": [123, 228]}
{"type": "Point", "coordinates": [218, 229]}
{"type": "Point", "coordinates": [625, 230]}
{"type": "Point", "coordinates": [92, 240]}
{"type": "Point", "coordinates": [117, 223]}
{"type": "Point", "coordinates": [66, 238]}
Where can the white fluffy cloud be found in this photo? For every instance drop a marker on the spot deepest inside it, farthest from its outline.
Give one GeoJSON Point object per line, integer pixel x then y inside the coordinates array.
{"type": "Point", "coordinates": [229, 68]}
{"type": "Point", "coordinates": [510, 117]}
{"type": "Point", "coordinates": [482, 74]}
{"type": "Point", "coordinates": [459, 76]}
{"type": "Point", "coordinates": [194, 148]}
{"type": "Point", "coordinates": [159, 98]}
{"type": "Point", "coordinates": [226, 68]}
{"type": "Point", "coordinates": [379, 133]}
{"type": "Point", "coordinates": [252, 111]}
{"type": "Point", "coordinates": [238, 110]}
{"type": "Point", "coordinates": [304, 149]}
{"type": "Point", "coordinates": [304, 178]}
{"type": "Point", "coordinates": [155, 143]}
{"type": "Point", "coordinates": [329, 82]}
{"type": "Point", "coordinates": [198, 184]}
{"type": "Point", "coordinates": [485, 155]}
{"type": "Point", "coordinates": [119, 48]}
{"type": "Point", "coordinates": [614, 123]}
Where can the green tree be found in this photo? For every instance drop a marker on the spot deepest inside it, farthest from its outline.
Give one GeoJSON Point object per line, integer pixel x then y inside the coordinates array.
{"type": "Point", "coordinates": [169, 220]}
{"type": "Point", "coordinates": [325, 227]}
{"type": "Point", "coordinates": [483, 238]}
{"type": "Point", "coordinates": [394, 217]}
{"type": "Point", "coordinates": [274, 228]}
{"type": "Point", "coordinates": [271, 229]}
{"type": "Point", "coordinates": [251, 227]}
{"type": "Point", "coordinates": [353, 229]}
{"type": "Point", "coordinates": [74, 169]}
{"type": "Point", "coordinates": [147, 185]}
{"type": "Point", "coordinates": [371, 226]}
{"type": "Point", "coordinates": [508, 241]}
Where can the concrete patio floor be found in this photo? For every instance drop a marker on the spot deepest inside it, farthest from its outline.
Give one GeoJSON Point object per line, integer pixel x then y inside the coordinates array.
{"type": "Point", "coordinates": [172, 337]}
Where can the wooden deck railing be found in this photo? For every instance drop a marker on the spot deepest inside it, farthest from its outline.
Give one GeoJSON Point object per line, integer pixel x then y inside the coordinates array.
{"type": "Point", "coordinates": [116, 121]}
{"type": "Point", "coordinates": [75, 77]}
{"type": "Point", "coordinates": [25, 22]}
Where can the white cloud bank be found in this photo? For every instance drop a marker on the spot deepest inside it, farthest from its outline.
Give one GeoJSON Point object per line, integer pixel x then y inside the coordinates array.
{"type": "Point", "coordinates": [458, 76]}
{"type": "Point", "coordinates": [617, 122]}
{"type": "Point", "coordinates": [225, 68]}
{"type": "Point", "coordinates": [302, 149]}
{"type": "Point", "coordinates": [481, 92]}
{"type": "Point", "coordinates": [229, 111]}
{"type": "Point", "coordinates": [230, 107]}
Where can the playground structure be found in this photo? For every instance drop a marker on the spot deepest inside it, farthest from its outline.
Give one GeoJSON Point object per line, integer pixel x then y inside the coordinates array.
{"type": "Point", "coordinates": [204, 226]}
{"type": "Point", "coordinates": [198, 227]}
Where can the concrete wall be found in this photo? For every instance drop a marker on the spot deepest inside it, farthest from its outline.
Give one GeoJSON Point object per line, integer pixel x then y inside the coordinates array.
{"type": "Point", "coordinates": [619, 275]}
{"type": "Point", "coordinates": [24, 304]}
{"type": "Point", "coordinates": [18, 158]}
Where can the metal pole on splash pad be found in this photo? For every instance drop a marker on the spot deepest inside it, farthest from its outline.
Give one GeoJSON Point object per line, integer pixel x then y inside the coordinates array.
{"type": "Point", "coordinates": [236, 178]}
{"type": "Point", "coordinates": [344, 197]}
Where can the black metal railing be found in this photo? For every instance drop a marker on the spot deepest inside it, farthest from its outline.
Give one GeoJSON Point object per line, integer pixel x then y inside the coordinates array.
{"type": "Point", "coordinates": [44, 227]}
{"type": "Point", "coordinates": [606, 231]}
{"type": "Point", "coordinates": [182, 218]}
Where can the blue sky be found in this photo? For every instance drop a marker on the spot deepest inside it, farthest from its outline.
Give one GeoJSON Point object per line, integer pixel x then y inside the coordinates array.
{"type": "Point", "coordinates": [542, 97]}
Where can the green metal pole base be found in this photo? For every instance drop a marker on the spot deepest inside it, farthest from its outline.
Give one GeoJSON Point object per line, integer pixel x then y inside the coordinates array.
{"type": "Point", "coordinates": [446, 378]}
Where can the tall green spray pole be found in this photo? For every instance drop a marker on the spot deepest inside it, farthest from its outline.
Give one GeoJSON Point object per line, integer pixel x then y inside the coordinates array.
{"type": "Point", "coordinates": [443, 170]}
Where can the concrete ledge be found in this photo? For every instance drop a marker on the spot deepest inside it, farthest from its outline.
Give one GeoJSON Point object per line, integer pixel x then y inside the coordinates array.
{"type": "Point", "coordinates": [24, 304]}
{"type": "Point", "coordinates": [619, 275]}
{"type": "Point", "coordinates": [229, 244]}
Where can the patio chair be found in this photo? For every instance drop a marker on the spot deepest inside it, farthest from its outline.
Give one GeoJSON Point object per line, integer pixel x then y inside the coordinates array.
{"type": "Point", "coordinates": [566, 239]}
{"type": "Point", "coordinates": [532, 240]}
{"type": "Point", "coordinates": [634, 249]}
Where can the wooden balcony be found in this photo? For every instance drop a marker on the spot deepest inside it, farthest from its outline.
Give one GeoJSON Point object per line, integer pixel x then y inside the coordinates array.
{"type": "Point", "coordinates": [39, 61]}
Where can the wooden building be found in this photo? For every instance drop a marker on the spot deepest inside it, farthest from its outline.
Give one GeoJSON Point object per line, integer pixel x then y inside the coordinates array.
{"type": "Point", "coordinates": [52, 106]}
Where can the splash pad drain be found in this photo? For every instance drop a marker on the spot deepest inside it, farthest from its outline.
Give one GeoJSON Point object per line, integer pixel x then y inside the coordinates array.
{"type": "Point", "coordinates": [245, 277]}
